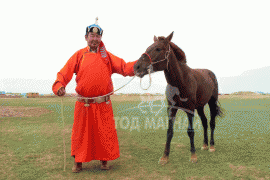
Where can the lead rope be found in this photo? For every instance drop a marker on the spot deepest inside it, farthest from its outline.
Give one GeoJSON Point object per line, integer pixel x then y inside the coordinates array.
{"type": "Point", "coordinates": [150, 83]}
{"type": "Point", "coordinates": [62, 112]}
{"type": "Point", "coordinates": [150, 79]}
{"type": "Point", "coordinates": [110, 92]}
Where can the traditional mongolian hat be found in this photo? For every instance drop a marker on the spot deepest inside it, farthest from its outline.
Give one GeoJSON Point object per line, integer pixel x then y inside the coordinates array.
{"type": "Point", "coordinates": [94, 28]}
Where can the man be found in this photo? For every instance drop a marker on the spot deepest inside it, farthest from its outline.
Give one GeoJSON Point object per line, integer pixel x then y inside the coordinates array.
{"type": "Point", "coordinates": [94, 135]}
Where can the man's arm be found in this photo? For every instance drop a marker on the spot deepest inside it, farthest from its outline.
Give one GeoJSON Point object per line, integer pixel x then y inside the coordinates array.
{"type": "Point", "coordinates": [121, 67]}
{"type": "Point", "coordinates": [65, 75]}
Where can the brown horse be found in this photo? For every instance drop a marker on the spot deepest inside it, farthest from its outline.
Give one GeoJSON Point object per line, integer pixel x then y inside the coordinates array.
{"type": "Point", "coordinates": [188, 89]}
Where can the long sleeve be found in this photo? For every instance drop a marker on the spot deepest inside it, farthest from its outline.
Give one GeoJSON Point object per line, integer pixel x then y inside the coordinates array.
{"type": "Point", "coordinates": [121, 67]}
{"type": "Point", "coordinates": [66, 73]}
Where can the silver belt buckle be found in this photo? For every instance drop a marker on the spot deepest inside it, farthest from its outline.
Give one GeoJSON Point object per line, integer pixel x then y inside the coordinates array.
{"type": "Point", "coordinates": [86, 103]}
{"type": "Point", "coordinates": [99, 100]}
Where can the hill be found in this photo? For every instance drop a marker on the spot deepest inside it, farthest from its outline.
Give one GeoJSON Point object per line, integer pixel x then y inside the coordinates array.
{"type": "Point", "coordinates": [253, 80]}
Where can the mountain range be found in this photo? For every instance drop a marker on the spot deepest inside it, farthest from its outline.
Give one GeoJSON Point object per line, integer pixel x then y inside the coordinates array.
{"type": "Point", "coordinates": [251, 80]}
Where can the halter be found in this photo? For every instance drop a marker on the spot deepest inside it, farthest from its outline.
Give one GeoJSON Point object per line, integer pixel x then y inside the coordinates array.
{"type": "Point", "coordinates": [165, 58]}
{"type": "Point", "coordinates": [150, 67]}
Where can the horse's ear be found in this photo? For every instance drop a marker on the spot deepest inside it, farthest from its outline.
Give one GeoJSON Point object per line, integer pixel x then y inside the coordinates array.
{"type": "Point", "coordinates": [169, 38]}
{"type": "Point", "coordinates": [155, 39]}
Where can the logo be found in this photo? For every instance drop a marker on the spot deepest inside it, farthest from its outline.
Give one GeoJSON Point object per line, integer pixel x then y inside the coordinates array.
{"type": "Point", "coordinates": [152, 104]}
{"type": "Point", "coordinates": [153, 117]}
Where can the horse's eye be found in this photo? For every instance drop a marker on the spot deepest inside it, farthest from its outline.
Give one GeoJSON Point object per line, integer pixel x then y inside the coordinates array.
{"type": "Point", "coordinates": [158, 49]}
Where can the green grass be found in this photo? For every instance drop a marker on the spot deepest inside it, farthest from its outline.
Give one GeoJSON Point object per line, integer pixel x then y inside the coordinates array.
{"type": "Point", "coordinates": [32, 147]}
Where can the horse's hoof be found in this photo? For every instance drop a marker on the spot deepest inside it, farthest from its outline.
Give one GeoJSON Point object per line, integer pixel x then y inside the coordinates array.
{"type": "Point", "coordinates": [212, 149]}
{"type": "Point", "coordinates": [193, 158]}
{"type": "Point", "coordinates": [204, 147]}
{"type": "Point", "coordinates": [163, 160]}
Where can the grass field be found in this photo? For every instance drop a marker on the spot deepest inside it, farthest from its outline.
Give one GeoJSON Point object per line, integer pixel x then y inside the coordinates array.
{"type": "Point", "coordinates": [32, 130]}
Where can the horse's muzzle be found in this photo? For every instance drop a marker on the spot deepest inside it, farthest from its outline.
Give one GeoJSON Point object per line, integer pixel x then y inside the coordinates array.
{"type": "Point", "coordinates": [139, 74]}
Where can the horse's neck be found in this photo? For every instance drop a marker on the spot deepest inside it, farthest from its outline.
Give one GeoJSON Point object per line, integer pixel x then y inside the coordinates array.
{"type": "Point", "coordinates": [177, 72]}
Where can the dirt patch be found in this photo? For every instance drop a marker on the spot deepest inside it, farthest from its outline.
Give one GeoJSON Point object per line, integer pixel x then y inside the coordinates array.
{"type": "Point", "coordinates": [202, 178]}
{"type": "Point", "coordinates": [21, 111]}
{"type": "Point", "coordinates": [243, 171]}
{"type": "Point", "coordinates": [49, 161]}
{"type": "Point", "coordinates": [60, 176]}
{"type": "Point", "coordinates": [8, 162]}
{"type": "Point", "coordinates": [53, 129]}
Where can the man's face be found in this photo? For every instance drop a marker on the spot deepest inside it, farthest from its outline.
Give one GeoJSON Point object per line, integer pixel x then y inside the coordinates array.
{"type": "Point", "coordinates": [93, 40]}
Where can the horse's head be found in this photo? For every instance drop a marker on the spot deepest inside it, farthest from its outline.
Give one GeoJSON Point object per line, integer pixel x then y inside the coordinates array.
{"type": "Point", "coordinates": [155, 57]}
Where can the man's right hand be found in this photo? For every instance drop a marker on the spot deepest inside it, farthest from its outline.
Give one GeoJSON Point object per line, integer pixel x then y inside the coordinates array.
{"type": "Point", "coordinates": [61, 91]}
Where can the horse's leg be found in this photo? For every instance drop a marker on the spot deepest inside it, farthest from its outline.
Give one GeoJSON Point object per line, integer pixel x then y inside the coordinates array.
{"type": "Point", "coordinates": [213, 111]}
{"type": "Point", "coordinates": [190, 132]}
{"type": "Point", "coordinates": [165, 158]}
{"type": "Point", "coordinates": [205, 127]}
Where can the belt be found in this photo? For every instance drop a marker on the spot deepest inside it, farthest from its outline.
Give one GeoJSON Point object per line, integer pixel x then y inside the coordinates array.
{"type": "Point", "coordinates": [87, 100]}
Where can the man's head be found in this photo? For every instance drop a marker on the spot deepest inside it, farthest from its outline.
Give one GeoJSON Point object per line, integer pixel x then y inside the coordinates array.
{"type": "Point", "coordinates": [93, 36]}
{"type": "Point", "coordinates": [93, 40]}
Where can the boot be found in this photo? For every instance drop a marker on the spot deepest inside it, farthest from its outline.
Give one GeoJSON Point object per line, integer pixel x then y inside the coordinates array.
{"type": "Point", "coordinates": [77, 167]}
{"type": "Point", "coordinates": [104, 165]}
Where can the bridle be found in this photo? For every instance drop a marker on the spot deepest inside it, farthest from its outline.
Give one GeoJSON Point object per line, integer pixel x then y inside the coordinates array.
{"type": "Point", "coordinates": [167, 53]}
{"type": "Point", "coordinates": [150, 67]}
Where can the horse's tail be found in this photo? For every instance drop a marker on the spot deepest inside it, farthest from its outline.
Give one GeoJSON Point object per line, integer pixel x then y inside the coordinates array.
{"type": "Point", "coordinates": [219, 109]}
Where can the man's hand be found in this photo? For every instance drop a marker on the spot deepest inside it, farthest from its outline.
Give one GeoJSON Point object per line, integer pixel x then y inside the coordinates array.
{"type": "Point", "coordinates": [61, 91]}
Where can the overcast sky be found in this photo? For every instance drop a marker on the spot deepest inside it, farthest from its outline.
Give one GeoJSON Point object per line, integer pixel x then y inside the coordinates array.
{"type": "Point", "coordinates": [227, 37]}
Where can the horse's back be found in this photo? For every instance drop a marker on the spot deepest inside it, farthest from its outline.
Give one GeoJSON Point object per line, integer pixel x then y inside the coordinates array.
{"type": "Point", "coordinates": [205, 74]}
{"type": "Point", "coordinates": [207, 86]}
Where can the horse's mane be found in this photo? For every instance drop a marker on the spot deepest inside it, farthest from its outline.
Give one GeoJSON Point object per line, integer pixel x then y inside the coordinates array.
{"type": "Point", "coordinates": [179, 53]}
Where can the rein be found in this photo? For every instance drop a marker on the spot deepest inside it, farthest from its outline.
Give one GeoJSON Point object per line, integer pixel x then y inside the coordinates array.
{"type": "Point", "coordinates": [110, 92]}
{"type": "Point", "coordinates": [150, 67]}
